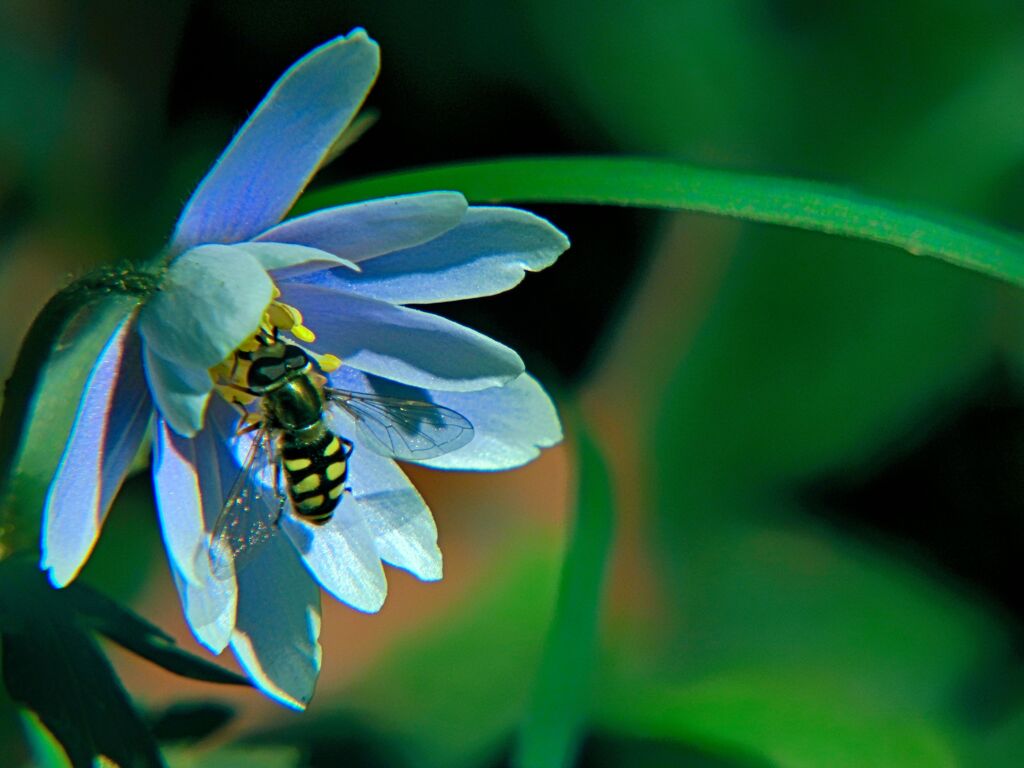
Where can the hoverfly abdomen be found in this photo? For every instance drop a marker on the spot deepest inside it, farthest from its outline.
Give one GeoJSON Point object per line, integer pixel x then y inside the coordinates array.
{"type": "Point", "coordinates": [316, 469]}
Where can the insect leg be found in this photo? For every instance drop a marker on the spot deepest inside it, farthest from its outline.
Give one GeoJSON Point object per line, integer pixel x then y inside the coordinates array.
{"type": "Point", "coordinates": [282, 497]}
{"type": "Point", "coordinates": [235, 364]}
{"type": "Point", "coordinates": [247, 420]}
{"type": "Point", "coordinates": [240, 388]}
{"type": "Point", "coordinates": [240, 430]}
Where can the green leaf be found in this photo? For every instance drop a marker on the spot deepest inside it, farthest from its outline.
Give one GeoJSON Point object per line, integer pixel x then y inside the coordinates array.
{"type": "Point", "coordinates": [782, 720]}
{"type": "Point", "coordinates": [674, 186]}
{"type": "Point", "coordinates": [137, 635]}
{"type": "Point", "coordinates": [14, 735]}
{"type": "Point", "coordinates": [56, 670]}
{"type": "Point", "coordinates": [41, 398]}
{"type": "Point", "coordinates": [46, 750]}
{"type": "Point", "coordinates": [189, 722]}
{"type": "Point", "coordinates": [554, 719]}
{"type": "Point", "coordinates": [233, 757]}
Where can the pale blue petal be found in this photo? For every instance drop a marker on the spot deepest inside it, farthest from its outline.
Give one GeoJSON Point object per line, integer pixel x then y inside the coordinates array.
{"type": "Point", "coordinates": [190, 491]}
{"type": "Point", "coordinates": [209, 609]}
{"type": "Point", "coordinates": [398, 519]}
{"type": "Point", "coordinates": [181, 393]}
{"type": "Point", "coordinates": [361, 231]}
{"type": "Point", "coordinates": [490, 251]}
{"type": "Point", "coordinates": [406, 345]}
{"type": "Point", "coordinates": [277, 151]}
{"type": "Point", "coordinates": [191, 478]}
{"type": "Point", "coordinates": [510, 423]}
{"type": "Point", "coordinates": [179, 498]}
{"type": "Point", "coordinates": [108, 431]}
{"type": "Point", "coordinates": [342, 557]}
{"type": "Point", "coordinates": [276, 634]}
{"type": "Point", "coordinates": [286, 260]}
{"type": "Point", "coordinates": [211, 300]}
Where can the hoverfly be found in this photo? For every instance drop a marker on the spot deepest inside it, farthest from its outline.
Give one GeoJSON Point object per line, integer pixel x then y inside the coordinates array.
{"type": "Point", "coordinates": [295, 461]}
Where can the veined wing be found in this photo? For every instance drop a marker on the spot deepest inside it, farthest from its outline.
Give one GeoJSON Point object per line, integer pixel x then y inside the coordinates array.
{"type": "Point", "coordinates": [251, 512]}
{"type": "Point", "coordinates": [411, 430]}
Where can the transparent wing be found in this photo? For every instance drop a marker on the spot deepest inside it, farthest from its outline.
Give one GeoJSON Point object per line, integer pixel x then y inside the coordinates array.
{"type": "Point", "coordinates": [411, 430]}
{"type": "Point", "coordinates": [251, 512]}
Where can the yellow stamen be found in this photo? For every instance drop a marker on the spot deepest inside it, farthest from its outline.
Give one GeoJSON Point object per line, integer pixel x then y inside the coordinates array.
{"type": "Point", "coordinates": [328, 363]}
{"type": "Point", "coordinates": [231, 376]}
{"type": "Point", "coordinates": [283, 316]}
{"type": "Point", "coordinates": [287, 318]}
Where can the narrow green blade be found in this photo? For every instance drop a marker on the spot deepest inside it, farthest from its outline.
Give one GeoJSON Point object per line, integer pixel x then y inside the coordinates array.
{"type": "Point", "coordinates": [670, 185]}
{"type": "Point", "coordinates": [556, 714]}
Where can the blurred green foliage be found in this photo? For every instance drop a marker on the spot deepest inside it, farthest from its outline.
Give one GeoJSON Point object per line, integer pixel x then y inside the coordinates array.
{"type": "Point", "coordinates": [554, 720]}
{"type": "Point", "coordinates": [777, 639]}
{"type": "Point", "coordinates": [453, 695]}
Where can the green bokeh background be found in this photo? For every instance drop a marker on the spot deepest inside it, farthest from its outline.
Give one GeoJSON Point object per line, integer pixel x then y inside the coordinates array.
{"type": "Point", "coordinates": [816, 445]}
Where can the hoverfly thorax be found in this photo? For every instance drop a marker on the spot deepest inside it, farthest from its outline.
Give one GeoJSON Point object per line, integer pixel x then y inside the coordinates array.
{"type": "Point", "coordinates": [283, 376]}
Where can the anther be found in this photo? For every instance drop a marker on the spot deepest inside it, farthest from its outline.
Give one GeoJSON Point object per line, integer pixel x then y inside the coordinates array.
{"type": "Point", "coordinates": [328, 363]}
{"type": "Point", "coordinates": [282, 316]}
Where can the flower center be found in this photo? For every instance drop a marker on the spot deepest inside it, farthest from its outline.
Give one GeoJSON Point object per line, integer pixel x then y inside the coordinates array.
{"type": "Point", "coordinates": [231, 375]}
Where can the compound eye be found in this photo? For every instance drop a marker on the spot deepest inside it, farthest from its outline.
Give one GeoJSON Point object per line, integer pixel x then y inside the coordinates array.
{"type": "Point", "coordinates": [264, 373]}
{"type": "Point", "coordinates": [294, 358]}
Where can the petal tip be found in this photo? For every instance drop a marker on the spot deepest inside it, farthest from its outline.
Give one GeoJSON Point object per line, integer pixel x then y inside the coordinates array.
{"type": "Point", "coordinates": [214, 643]}
{"type": "Point", "coordinates": [249, 659]}
{"type": "Point", "coordinates": [373, 603]}
{"type": "Point", "coordinates": [185, 427]}
{"type": "Point", "coordinates": [433, 573]}
{"type": "Point", "coordinates": [61, 571]}
{"type": "Point", "coordinates": [57, 580]}
{"type": "Point", "coordinates": [357, 36]}
{"type": "Point", "coordinates": [564, 243]}
{"type": "Point", "coordinates": [358, 33]}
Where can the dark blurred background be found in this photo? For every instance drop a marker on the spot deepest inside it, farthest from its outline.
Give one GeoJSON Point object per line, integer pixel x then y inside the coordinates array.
{"type": "Point", "coordinates": [817, 444]}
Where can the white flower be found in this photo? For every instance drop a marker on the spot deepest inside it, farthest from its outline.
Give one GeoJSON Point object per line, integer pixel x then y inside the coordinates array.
{"type": "Point", "coordinates": [336, 281]}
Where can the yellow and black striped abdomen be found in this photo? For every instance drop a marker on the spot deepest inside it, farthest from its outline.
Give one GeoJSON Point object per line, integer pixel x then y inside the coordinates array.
{"type": "Point", "coordinates": [316, 470]}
